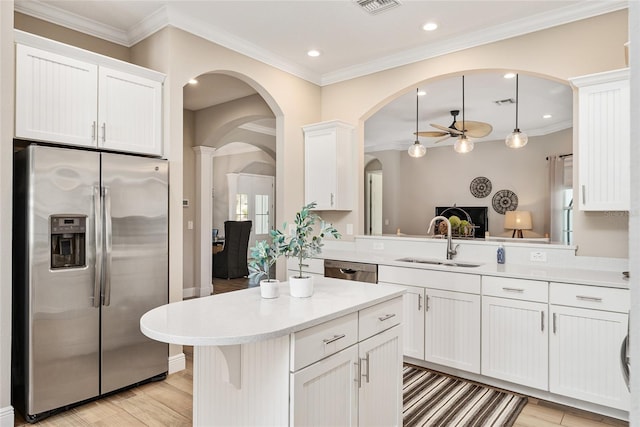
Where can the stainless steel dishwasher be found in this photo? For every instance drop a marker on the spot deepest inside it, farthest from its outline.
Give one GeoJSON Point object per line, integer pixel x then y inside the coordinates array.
{"type": "Point", "coordinates": [360, 271]}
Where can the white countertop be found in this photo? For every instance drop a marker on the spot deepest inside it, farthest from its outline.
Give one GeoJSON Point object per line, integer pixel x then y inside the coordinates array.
{"type": "Point", "coordinates": [591, 277]}
{"type": "Point", "coordinates": [243, 316]}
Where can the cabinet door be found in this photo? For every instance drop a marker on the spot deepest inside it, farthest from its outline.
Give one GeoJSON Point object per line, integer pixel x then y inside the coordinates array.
{"type": "Point", "coordinates": [130, 113]}
{"type": "Point", "coordinates": [585, 355]}
{"type": "Point", "coordinates": [515, 341]}
{"type": "Point", "coordinates": [326, 393]}
{"type": "Point", "coordinates": [380, 385]}
{"type": "Point", "coordinates": [413, 322]}
{"type": "Point", "coordinates": [452, 329]}
{"type": "Point", "coordinates": [604, 141]}
{"type": "Point", "coordinates": [55, 98]}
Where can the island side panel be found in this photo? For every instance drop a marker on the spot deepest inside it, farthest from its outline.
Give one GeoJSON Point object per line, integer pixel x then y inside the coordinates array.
{"type": "Point", "coordinates": [263, 396]}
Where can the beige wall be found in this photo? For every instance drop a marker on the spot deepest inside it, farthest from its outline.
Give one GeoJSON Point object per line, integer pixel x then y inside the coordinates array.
{"type": "Point", "coordinates": [75, 38]}
{"type": "Point", "coordinates": [6, 156]}
{"type": "Point", "coordinates": [189, 193]}
{"type": "Point", "coordinates": [442, 178]}
{"type": "Point", "coordinates": [575, 49]}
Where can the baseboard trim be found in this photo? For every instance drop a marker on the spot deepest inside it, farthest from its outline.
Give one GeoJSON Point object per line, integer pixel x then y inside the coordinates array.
{"type": "Point", "coordinates": [197, 292]}
{"type": "Point", "coordinates": [176, 363]}
{"type": "Point", "coordinates": [189, 292]}
{"type": "Point", "coordinates": [7, 416]}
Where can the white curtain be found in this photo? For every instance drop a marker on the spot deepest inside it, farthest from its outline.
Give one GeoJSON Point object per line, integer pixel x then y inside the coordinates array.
{"type": "Point", "coordinates": [560, 179]}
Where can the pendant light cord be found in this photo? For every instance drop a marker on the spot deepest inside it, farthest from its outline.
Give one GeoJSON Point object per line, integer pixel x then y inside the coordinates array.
{"type": "Point", "coordinates": [417, 91]}
{"type": "Point", "coordinates": [463, 123]}
{"type": "Point", "coordinates": [517, 91]}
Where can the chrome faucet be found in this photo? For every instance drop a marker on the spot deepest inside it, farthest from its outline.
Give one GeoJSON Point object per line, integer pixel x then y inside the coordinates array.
{"type": "Point", "coordinates": [451, 251]}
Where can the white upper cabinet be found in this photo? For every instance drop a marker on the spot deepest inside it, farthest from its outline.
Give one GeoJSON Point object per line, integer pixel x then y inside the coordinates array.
{"type": "Point", "coordinates": [330, 177]}
{"type": "Point", "coordinates": [604, 140]}
{"type": "Point", "coordinates": [71, 96]}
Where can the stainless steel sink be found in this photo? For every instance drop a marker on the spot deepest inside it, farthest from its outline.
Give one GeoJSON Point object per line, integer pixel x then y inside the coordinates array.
{"type": "Point", "coordinates": [446, 263]}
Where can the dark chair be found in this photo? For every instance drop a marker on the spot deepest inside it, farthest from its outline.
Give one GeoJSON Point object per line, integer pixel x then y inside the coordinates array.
{"type": "Point", "coordinates": [231, 261]}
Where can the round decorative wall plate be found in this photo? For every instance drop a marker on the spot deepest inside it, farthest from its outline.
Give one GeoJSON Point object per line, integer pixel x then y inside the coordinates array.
{"type": "Point", "coordinates": [505, 200]}
{"type": "Point", "coordinates": [480, 187]}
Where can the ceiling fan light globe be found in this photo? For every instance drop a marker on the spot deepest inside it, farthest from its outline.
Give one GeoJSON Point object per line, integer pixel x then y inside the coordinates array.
{"type": "Point", "coordinates": [516, 139]}
{"type": "Point", "coordinates": [417, 150]}
{"type": "Point", "coordinates": [463, 145]}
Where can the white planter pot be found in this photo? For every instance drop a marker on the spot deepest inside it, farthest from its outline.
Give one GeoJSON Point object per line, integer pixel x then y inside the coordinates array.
{"type": "Point", "coordinates": [269, 288]}
{"type": "Point", "coordinates": [301, 287]}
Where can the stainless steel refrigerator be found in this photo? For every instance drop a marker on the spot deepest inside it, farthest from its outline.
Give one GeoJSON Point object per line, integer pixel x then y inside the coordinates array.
{"type": "Point", "coordinates": [90, 258]}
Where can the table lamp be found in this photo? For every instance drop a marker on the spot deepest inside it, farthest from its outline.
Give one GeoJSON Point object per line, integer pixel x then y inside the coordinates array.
{"type": "Point", "coordinates": [517, 221]}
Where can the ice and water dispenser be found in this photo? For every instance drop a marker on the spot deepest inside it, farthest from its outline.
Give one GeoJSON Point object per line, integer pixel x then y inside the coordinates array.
{"type": "Point", "coordinates": [68, 240]}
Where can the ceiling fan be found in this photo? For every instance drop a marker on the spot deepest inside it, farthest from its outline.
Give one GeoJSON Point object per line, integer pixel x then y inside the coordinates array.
{"type": "Point", "coordinates": [471, 129]}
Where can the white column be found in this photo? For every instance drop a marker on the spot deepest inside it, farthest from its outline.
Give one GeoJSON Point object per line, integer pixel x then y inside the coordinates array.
{"type": "Point", "coordinates": [204, 179]}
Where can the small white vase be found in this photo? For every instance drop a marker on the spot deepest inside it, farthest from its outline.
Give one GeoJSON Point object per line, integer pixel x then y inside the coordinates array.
{"type": "Point", "coordinates": [269, 288]}
{"type": "Point", "coordinates": [301, 287]}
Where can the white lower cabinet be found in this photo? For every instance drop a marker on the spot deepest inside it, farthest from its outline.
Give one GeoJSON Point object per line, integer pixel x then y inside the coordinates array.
{"type": "Point", "coordinates": [585, 345]}
{"type": "Point", "coordinates": [413, 321]}
{"type": "Point", "coordinates": [452, 331]}
{"type": "Point", "coordinates": [515, 339]}
{"type": "Point", "coordinates": [357, 385]}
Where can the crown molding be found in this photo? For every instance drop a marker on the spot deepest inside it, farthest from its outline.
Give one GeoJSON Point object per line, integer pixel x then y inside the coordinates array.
{"type": "Point", "coordinates": [61, 17]}
{"type": "Point", "coordinates": [148, 26]}
{"type": "Point", "coordinates": [485, 36]}
{"type": "Point", "coordinates": [252, 127]}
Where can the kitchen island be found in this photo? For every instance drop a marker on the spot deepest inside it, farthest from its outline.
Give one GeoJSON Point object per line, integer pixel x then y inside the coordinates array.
{"type": "Point", "coordinates": [332, 359]}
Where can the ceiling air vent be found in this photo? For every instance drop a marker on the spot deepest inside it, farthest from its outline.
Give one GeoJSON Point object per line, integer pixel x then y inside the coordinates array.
{"type": "Point", "coordinates": [376, 6]}
{"type": "Point", "coordinates": [505, 101]}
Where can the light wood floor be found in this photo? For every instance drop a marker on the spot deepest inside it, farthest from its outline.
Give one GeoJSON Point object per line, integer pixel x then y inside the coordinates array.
{"type": "Point", "coordinates": [168, 402]}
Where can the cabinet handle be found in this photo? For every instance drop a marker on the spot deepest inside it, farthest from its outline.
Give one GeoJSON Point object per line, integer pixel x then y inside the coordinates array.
{"type": "Point", "coordinates": [104, 132]}
{"type": "Point", "coordinates": [386, 317]}
{"type": "Point", "coordinates": [426, 306]}
{"type": "Point", "coordinates": [359, 373]}
{"type": "Point", "coordinates": [334, 339]}
{"type": "Point", "coordinates": [542, 321]}
{"type": "Point", "coordinates": [366, 373]}
{"type": "Point", "coordinates": [304, 265]}
{"type": "Point", "coordinates": [93, 131]}
{"type": "Point", "coordinates": [518, 290]}
{"type": "Point", "coordinates": [584, 194]}
{"type": "Point", "coordinates": [419, 302]}
{"type": "Point", "coordinates": [586, 298]}
{"type": "Point", "coordinates": [331, 199]}
{"type": "Point", "coordinates": [555, 320]}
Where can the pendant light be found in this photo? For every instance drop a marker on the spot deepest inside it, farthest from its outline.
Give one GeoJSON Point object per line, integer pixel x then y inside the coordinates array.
{"type": "Point", "coordinates": [463, 144]}
{"type": "Point", "coordinates": [417, 149]}
{"type": "Point", "coordinates": [516, 139]}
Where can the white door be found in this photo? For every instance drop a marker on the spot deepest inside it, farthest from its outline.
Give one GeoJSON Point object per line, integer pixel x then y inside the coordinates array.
{"type": "Point", "coordinates": [413, 321]}
{"type": "Point", "coordinates": [380, 384]}
{"type": "Point", "coordinates": [373, 198]}
{"type": "Point", "coordinates": [452, 331]}
{"type": "Point", "coordinates": [585, 355]}
{"type": "Point", "coordinates": [515, 341]}
{"type": "Point", "coordinates": [56, 98]}
{"type": "Point", "coordinates": [326, 393]}
{"type": "Point", "coordinates": [129, 113]}
{"type": "Point", "coordinates": [254, 200]}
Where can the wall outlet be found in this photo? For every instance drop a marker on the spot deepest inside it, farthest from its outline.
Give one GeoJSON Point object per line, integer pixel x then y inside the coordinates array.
{"type": "Point", "coordinates": [538, 256]}
{"type": "Point", "coordinates": [386, 221]}
{"type": "Point", "coordinates": [189, 225]}
{"type": "Point", "coordinates": [349, 229]}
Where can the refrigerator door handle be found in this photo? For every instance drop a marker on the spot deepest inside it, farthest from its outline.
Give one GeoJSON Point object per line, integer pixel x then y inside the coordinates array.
{"type": "Point", "coordinates": [98, 245]}
{"type": "Point", "coordinates": [106, 299]}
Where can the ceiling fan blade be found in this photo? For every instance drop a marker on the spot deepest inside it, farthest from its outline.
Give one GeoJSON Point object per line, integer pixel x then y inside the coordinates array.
{"type": "Point", "coordinates": [475, 129]}
{"type": "Point", "coordinates": [446, 129]}
{"type": "Point", "coordinates": [442, 139]}
{"type": "Point", "coordinates": [432, 133]}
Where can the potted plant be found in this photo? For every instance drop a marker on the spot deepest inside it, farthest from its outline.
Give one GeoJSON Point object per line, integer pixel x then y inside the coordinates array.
{"type": "Point", "coordinates": [263, 256]}
{"type": "Point", "coordinates": [303, 244]}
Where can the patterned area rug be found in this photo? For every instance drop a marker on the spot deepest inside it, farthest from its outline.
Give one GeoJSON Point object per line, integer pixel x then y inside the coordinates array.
{"type": "Point", "coordinates": [433, 399]}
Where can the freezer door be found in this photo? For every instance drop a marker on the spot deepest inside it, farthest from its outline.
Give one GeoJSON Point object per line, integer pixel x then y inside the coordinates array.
{"type": "Point", "coordinates": [135, 272]}
{"type": "Point", "coordinates": [62, 316]}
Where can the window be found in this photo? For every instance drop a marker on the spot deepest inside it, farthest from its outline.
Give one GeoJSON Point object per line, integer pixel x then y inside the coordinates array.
{"type": "Point", "coordinates": [242, 207]}
{"type": "Point", "coordinates": [262, 214]}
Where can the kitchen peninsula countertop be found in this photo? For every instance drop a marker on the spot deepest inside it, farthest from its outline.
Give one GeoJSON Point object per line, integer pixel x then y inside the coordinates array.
{"type": "Point", "coordinates": [243, 316]}
{"type": "Point", "coordinates": [591, 277]}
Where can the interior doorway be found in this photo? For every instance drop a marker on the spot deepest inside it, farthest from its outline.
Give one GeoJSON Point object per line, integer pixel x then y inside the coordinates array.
{"type": "Point", "coordinates": [251, 197]}
{"type": "Point", "coordinates": [373, 200]}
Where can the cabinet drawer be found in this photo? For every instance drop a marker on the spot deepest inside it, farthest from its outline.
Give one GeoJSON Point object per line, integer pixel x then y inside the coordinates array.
{"type": "Point", "coordinates": [310, 265]}
{"type": "Point", "coordinates": [318, 342]}
{"type": "Point", "coordinates": [457, 282]}
{"type": "Point", "coordinates": [503, 287]}
{"type": "Point", "coordinates": [380, 317]}
{"type": "Point", "coordinates": [590, 297]}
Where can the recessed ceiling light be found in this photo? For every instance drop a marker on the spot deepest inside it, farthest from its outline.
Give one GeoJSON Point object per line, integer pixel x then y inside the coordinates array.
{"type": "Point", "coordinates": [509, 75]}
{"type": "Point", "coordinates": [430, 26]}
{"type": "Point", "coordinates": [313, 53]}
{"type": "Point", "coordinates": [422, 93]}
{"type": "Point", "coordinates": [193, 82]}
{"type": "Point", "coordinates": [547, 116]}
